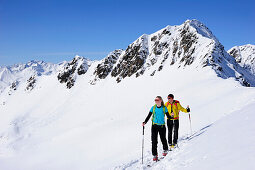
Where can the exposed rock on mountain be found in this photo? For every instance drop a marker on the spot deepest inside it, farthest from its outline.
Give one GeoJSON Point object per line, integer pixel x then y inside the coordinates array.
{"type": "Point", "coordinates": [105, 67]}
{"type": "Point", "coordinates": [13, 87]}
{"type": "Point", "coordinates": [132, 60]}
{"type": "Point", "coordinates": [31, 83]}
{"type": "Point", "coordinates": [77, 66]}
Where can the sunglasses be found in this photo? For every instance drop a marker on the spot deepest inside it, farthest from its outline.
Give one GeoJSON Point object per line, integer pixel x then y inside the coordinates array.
{"type": "Point", "coordinates": [169, 98]}
{"type": "Point", "coordinates": [156, 100]}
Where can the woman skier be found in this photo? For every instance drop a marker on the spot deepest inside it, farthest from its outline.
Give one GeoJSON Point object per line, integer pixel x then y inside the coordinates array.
{"type": "Point", "coordinates": [158, 112]}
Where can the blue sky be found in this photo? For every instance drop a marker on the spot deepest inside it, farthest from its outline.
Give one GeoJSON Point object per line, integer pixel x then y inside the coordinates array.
{"type": "Point", "coordinates": [54, 31]}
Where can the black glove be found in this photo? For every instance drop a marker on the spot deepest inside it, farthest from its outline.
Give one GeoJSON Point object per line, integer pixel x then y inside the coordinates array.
{"type": "Point", "coordinates": [188, 109]}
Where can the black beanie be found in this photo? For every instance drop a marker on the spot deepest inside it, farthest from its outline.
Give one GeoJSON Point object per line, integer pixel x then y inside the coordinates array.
{"type": "Point", "coordinates": [171, 95]}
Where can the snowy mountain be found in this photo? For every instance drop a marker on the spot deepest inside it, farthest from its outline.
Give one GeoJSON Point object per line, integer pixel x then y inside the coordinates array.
{"type": "Point", "coordinates": [244, 56]}
{"type": "Point", "coordinates": [190, 44]}
{"type": "Point", "coordinates": [83, 114]}
{"type": "Point", "coordinates": [12, 76]}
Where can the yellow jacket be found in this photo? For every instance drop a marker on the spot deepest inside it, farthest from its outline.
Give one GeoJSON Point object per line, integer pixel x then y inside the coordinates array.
{"type": "Point", "coordinates": [175, 108]}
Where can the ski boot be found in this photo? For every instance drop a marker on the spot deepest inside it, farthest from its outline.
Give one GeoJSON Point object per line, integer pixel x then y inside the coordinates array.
{"type": "Point", "coordinates": [155, 158]}
{"type": "Point", "coordinates": [165, 153]}
{"type": "Point", "coordinates": [172, 146]}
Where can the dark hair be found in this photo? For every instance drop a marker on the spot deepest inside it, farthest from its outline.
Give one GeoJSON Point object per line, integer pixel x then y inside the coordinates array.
{"type": "Point", "coordinates": [171, 96]}
{"type": "Point", "coordinates": [162, 102]}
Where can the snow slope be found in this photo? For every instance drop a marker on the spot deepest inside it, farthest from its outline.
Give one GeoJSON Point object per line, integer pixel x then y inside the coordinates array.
{"type": "Point", "coordinates": [99, 127]}
{"type": "Point", "coordinates": [225, 144]}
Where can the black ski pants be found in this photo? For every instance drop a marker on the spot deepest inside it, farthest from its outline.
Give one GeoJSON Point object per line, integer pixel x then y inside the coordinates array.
{"type": "Point", "coordinates": [173, 126]}
{"type": "Point", "coordinates": [155, 130]}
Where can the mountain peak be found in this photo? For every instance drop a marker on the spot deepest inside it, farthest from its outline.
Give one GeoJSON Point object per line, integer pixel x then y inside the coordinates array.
{"type": "Point", "coordinates": [244, 56]}
{"type": "Point", "coordinates": [192, 21]}
{"type": "Point", "coordinates": [201, 28]}
{"type": "Point", "coordinates": [77, 57]}
{"type": "Point", "coordinates": [191, 43]}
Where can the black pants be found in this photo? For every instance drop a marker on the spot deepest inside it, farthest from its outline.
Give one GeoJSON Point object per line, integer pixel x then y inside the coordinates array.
{"type": "Point", "coordinates": [172, 125]}
{"type": "Point", "coordinates": [155, 129]}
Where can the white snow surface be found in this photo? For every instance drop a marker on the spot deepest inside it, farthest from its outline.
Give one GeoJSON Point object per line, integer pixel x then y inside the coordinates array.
{"type": "Point", "coordinates": [99, 127]}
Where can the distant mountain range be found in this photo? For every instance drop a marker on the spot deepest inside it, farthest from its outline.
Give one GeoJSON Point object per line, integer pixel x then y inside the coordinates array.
{"type": "Point", "coordinates": [190, 44]}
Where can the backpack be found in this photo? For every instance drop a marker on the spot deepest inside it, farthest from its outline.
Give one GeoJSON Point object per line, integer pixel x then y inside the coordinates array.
{"type": "Point", "coordinates": [175, 103]}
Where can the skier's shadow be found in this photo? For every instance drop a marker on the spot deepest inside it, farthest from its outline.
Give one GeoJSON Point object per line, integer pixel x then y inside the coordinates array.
{"type": "Point", "coordinates": [196, 134]}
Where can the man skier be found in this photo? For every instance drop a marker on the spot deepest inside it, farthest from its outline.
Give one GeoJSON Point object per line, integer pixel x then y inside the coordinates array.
{"type": "Point", "coordinates": [174, 107]}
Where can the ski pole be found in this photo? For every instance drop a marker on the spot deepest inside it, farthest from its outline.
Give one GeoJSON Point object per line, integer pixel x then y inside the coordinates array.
{"type": "Point", "coordinates": [190, 124]}
{"type": "Point", "coordinates": [142, 144]}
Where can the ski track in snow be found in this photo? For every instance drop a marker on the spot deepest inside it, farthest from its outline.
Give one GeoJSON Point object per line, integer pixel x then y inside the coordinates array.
{"type": "Point", "coordinates": [182, 144]}
{"type": "Point", "coordinates": [211, 147]}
